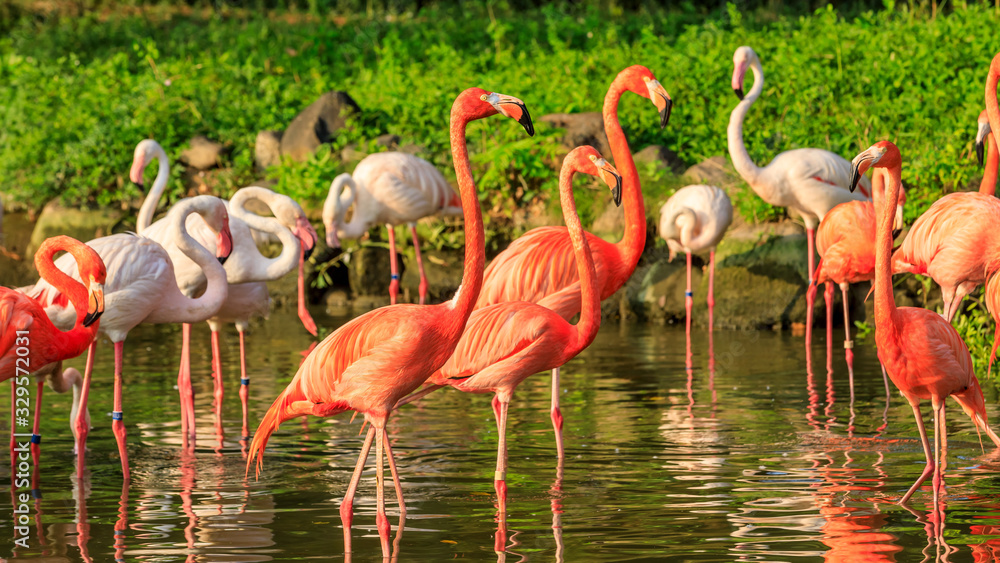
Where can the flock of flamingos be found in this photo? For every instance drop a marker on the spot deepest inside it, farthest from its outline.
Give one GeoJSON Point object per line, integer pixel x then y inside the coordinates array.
{"type": "Point", "coordinates": [512, 319]}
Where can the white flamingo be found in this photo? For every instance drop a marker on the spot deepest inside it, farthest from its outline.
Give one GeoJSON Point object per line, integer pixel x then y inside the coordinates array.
{"type": "Point", "coordinates": [141, 288]}
{"type": "Point", "coordinates": [694, 220]}
{"type": "Point", "coordinates": [811, 182]}
{"type": "Point", "coordinates": [246, 266]}
{"type": "Point", "coordinates": [390, 188]}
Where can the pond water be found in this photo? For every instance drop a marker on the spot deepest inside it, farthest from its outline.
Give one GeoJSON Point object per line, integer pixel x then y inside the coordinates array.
{"type": "Point", "coordinates": [745, 456]}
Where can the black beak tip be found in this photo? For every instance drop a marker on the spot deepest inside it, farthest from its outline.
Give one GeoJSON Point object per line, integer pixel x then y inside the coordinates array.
{"type": "Point", "coordinates": [616, 192]}
{"type": "Point", "coordinates": [222, 260]}
{"type": "Point", "coordinates": [895, 233]}
{"type": "Point", "coordinates": [91, 318]}
{"type": "Point", "coordinates": [979, 153]}
{"type": "Point", "coordinates": [665, 113]}
{"type": "Point", "coordinates": [855, 176]}
{"type": "Point", "coordinates": [308, 252]}
{"type": "Point", "coordinates": [525, 122]}
{"type": "Point", "coordinates": [739, 93]}
{"type": "Point", "coordinates": [140, 186]}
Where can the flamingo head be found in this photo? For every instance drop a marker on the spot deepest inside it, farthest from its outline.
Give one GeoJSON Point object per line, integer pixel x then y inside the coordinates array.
{"type": "Point", "coordinates": [981, 133]}
{"type": "Point", "coordinates": [477, 103]}
{"type": "Point", "coordinates": [306, 234]}
{"type": "Point", "coordinates": [95, 297]}
{"type": "Point", "coordinates": [145, 152]}
{"type": "Point", "coordinates": [640, 80]}
{"type": "Point", "coordinates": [224, 240]}
{"type": "Point", "coordinates": [595, 165]}
{"type": "Point", "coordinates": [338, 201]}
{"type": "Point", "coordinates": [742, 59]}
{"type": "Point", "coordinates": [882, 154]}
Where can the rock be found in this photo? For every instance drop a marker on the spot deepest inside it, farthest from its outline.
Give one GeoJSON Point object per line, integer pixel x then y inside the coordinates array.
{"type": "Point", "coordinates": [581, 129]}
{"type": "Point", "coordinates": [317, 124]}
{"type": "Point", "coordinates": [388, 141]}
{"type": "Point", "coordinates": [611, 221]}
{"type": "Point", "coordinates": [443, 269]}
{"type": "Point", "coordinates": [82, 225]}
{"type": "Point", "coordinates": [369, 271]}
{"type": "Point", "coordinates": [202, 153]}
{"type": "Point", "coordinates": [267, 149]}
{"type": "Point", "coordinates": [658, 154]}
{"type": "Point", "coordinates": [350, 153]}
{"type": "Point", "coordinates": [410, 148]}
{"type": "Point", "coordinates": [715, 171]}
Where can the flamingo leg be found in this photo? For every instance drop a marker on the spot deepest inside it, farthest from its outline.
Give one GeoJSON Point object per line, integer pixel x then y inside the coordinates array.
{"type": "Point", "coordinates": [929, 468]}
{"type": "Point", "coordinates": [218, 390]}
{"type": "Point", "coordinates": [117, 416]}
{"type": "Point", "coordinates": [304, 316]}
{"type": "Point", "coordinates": [828, 299]}
{"type": "Point", "coordinates": [185, 390]}
{"type": "Point", "coordinates": [711, 287]}
{"type": "Point", "coordinates": [381, 522]}
{"type": "Point", "coordinates": [420, 264]}
{"type": "Point", "coordinates": [347, 506]}
{"type": "Point", "coordinates": [810, 294]}
{"type": "Point", "coordinates": [36, 430]}
{"type": "Point", "coordinates": [500, 477]}
{"type": "Point", "coordinates": [848, 343]}
{"type": "Point", "coordinates": [244, 382]}
{"type": "Point", "coordinates": [688, 297]}
{"type": "Point", "coordinates": [393, 268]}
{"type": "Point", "coordinates": [941, 451]}
{"type": "Point", "coordinates": [81, 426]}
{"type": "Point", "coordinates": [395, 479]}
{"type": "Point", "coordinates": [557, 419]}
{"type": "Point", "coordinates": [810, 299]}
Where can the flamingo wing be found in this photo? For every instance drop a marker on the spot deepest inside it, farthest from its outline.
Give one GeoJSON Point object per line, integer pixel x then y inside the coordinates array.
{"type": "Point", "coordinates": [932, 360]}
{"type": "Point", "coordinates": [14, 316]}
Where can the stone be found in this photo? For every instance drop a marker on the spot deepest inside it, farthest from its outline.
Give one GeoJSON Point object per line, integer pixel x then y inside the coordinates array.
{"type": "Point", "coordinates": [388, 141]}
{"type": "Point", "coordinates": [715, 171]}
{"type": "Point", "coordinates": [369, 271]}
{"type": "Point", "coordinates": [83, 225]}
{"type": "Point", "coordinates": [317, 124]}
{"type": "Point", "coordinates": [350, 153]}
{"type": "Point", "coordinates": [413, 149]}
{"type": "Point", "coordinates": [443, 269]}
{"type": "Point", "coordinates": [267, 149]}
{"type": "Point", "coordinates": [581, 129]}
{"type": "Point", "coordinates": [203, 153]}
{"type": "Point", "coordinates": [660, 155]}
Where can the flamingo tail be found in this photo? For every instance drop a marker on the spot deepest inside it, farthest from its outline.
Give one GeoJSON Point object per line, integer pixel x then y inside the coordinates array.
{"type": "Point", "coordinates": [285, 407]}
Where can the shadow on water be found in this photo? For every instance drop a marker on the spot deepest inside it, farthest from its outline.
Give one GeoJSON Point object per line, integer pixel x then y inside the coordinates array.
{"type": "Point", "coordinates": [726, 448]}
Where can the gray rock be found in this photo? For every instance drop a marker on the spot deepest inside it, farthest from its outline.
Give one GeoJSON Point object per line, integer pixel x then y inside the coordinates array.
{"type": "Point", "coordinates": [267, 149]}
{"type": "Point", "coordinates": [82, 225]}
{"type": "Point", "coordinates": [388, 141]}
{"type": "Point", "coordinates": [410, 148]}
{"type": "Point", "coordinates": [317, 124]}
{"type": "Point", "coordinates": [350, 153]}
{"type": "Point", "coordinates": [203, 153]}
{"type": "Point", "coordinates": [581, 129]}
{"type": "Point", "coordinates": [662, 156]}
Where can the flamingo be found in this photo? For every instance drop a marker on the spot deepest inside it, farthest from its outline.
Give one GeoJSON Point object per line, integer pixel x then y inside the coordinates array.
{"type": "Point", "coordinates": [988, 185]}
{"type": "Point", "coordinates": [141, 288]}
{"type": "Point", "coordinates": [373, 361]}
{"type": "Point", "coordinates": [811, 182]}
{"type": "Point", "coordinates": [391, 188]}
{"type": "Point", "coordinates": [540, 267]}
{"type": "Point", "coordinates": [845, 241]}
{"type": "Point", "coordinates": [29, 342]}
{"type": "Point", "coordinates": [289, 226]}
{"type": "Point", "coordinates": [506, 342]}
{"type": "Point", "coordinates": [922, 353]}
{"type": "Point", "coordinates": [693, 220]}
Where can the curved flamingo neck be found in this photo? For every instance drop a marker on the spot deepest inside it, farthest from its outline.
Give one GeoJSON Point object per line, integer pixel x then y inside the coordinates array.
{"type": "Point", "coordinates": [992, 111]}
{"type": "Point", "coordinates": [734, 133]}
{"type": "Point", "coordinates": [475, 244]}
{"type": "Point", "coordinates": [590, 313]}
{"type": "Point", "coordinates": [885, 302]}
{"type": "Point", "coordinates": [261, 267]}
{"type": "Point", "coordinates": [989, 184]}
{"type": "Point", "coordinates": [634, 240]}
{"type": "Point", "coordinates": [181, 308]}
{"type": "Point", "coordinates": [149, 205]}
{"type": "Point", "coordinates": [75, 291]}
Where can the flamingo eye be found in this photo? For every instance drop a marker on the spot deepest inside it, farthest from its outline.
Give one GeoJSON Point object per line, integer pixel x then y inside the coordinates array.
{"type": "Point", "coordinates": [484, 97]}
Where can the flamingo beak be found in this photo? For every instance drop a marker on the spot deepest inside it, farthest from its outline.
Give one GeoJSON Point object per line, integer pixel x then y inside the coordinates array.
{"type": "Point", "coordinates": [307, 236]}
{"type": "Point", "coordinates": [612, 178]}
{"type": "Point", "coordinates": [224, 242]}
{"type": "Point", "coordinates": [135, 174]}
{"type": "Point", "coordinates": [861, 164]}
{"type": "Point", "coordinates": [513, 108]}
{"type": "Point", "coordinates": [739, 74]}
{"type": "Point", "coordinates": [984, 130]}
{"type": "Point", "coordinates": [95, 304]}
{"type": "Point", "coordinates": [661, 99]}
{"type": "Point", "coordinates": [331, 237]}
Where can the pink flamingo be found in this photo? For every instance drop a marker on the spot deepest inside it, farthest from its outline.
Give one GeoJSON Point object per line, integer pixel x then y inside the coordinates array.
{"type": "Point", "coordinates": [922, 353]}
{"type": "Point", "coordinates": [391, 188]}
{"type": "Point", "coordinates": [289, 227]}
{"type": "Point", "coordinates": [693, 220]}
{"type": "Point", "coordinates": [375, 360]}
{"type": "Point", "coordinates": [141, 288]}
{"type": "Point", "coordinates": [846, 244]}
{"type": "Point", "coordinates": [988, 185]}
{"type": "Point", "coordinates": [30, 343]}
{"type": "Point", "coordinates": [540, 267]}
{"type": "Point", "coordinates": [810, 182]}
{"type": "Point", "coordinates": [506, 342]}
{"type": "Point", "coordinates": [954, 241]}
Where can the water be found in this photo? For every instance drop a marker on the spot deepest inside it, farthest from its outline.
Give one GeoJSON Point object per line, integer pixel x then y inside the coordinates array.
{"type": "Point", "coordinates": [744, 458]}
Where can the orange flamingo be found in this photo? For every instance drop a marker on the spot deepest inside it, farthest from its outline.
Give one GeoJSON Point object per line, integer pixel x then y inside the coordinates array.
{"type": "Point", "coordinates": [375, 360]}
{"type": "Point", "coordinates": [506, 342]}
{"type": "Point", "coordinates": [541, 264]}
{"type": "Point", "coordinates": [845, 242]}
{"type": "Point", "coordinates": [28, 339]}
{"type": "Point", "coordinates": [985, 140]}
{"type": "Point", "coordinates": [922, 353]}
